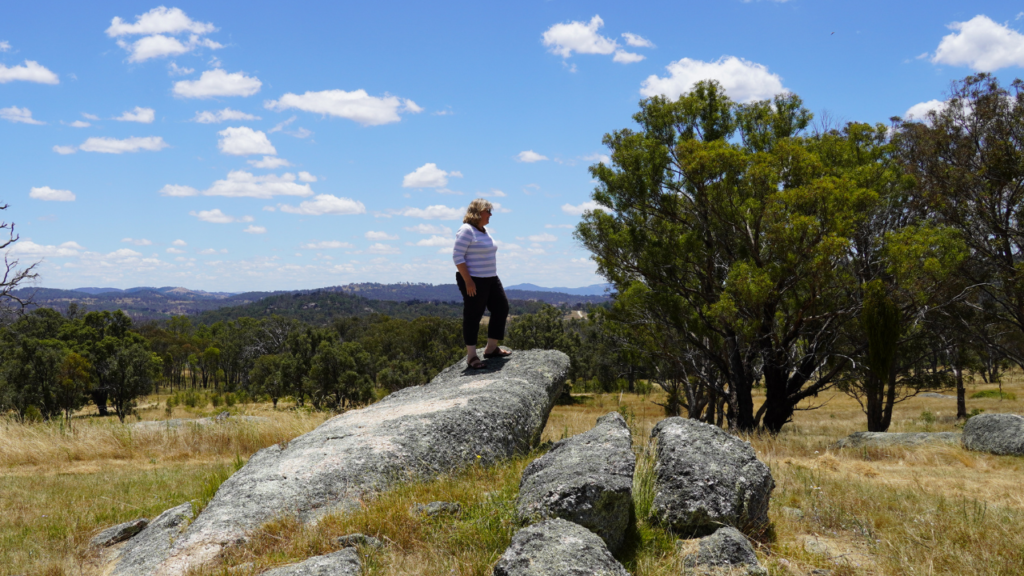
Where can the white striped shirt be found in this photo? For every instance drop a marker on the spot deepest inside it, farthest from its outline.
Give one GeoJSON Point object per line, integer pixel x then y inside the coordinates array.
{"type": "Point", "coordinates": [476, 250]}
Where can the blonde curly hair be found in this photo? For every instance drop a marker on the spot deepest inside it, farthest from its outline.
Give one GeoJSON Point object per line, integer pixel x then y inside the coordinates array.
{"type": "Point", "coordinates": [473, 212]}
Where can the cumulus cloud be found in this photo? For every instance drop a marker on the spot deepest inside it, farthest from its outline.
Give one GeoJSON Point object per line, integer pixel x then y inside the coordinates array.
{"type": "Point", "coordinates": [436, 212]}
{"type": "Point", "coordinates": [982, 45]}
{"type": "Point", "coordinates": [379, 248]}
{"type": "Point", "coordinates": [28, 248]}
{"type": "Point", "coordinates": [30, 71]}
{"type": "Point", "coordinates": [429, 229]}
{"type": "Point", "coordinates": [542, 238]}
{"type": "Point", "coordinates": [50, 195]}
{"type": "Point", "coordinates": [19, 115]}
{"type": "Point", "coordinates": [90, 116]}
{"type": "Point", "coordinates": [158, 46]}
{"type": "Point", "coordinates": [529, 156]}
{"type": "Point", "coordinates": [357, 105]}
{"type": "Point", "coordinates": [743, 80]}
{"type": "Point", "coordinates": [583, 38]}
{"type": "Point", "coordinates": [428, 176]}
{"type": "Point", "coordinates": [115, 146]}
{"type": "Point", "coordinates": [65, 150]}
{"type": "Point", "coordinates": [215, 216]}
{"type": "Point", "coordinates": [371, 235]}
{"type": "Point", "coordinates": [306, 177]}
{"type": "Point", "coordinates": [139, 114]}
{"type": "Point", "coordinates": [326, 204]}
{"type": "Point", "coordinates": [218, 116]}
{"type": "Point", "coordinates": [242, 184]}
{"type": "Point", "coordinates": [179, 242]}
{"type": "Point", "coordinates": [217, 82]}
{"type": "Point", "coordinates": [435, 241]}
{"type": "Point", "coordinates": [80, 124]}
{"type": "Point", "coordinates": [623, 57]}
{"type": "Point", "coordinates": [180, 191]}
{"type": "Point", "coordinates": [175, 70]}
{"type": "Point", "coordinates": [637, 40]}
{"type": "Point", "coordinates": [580, 209]}
{"type": "Point", "coordinates": [137, 241]}
{"type": "Point", "coordinates": [243, 141]}
{"type": "Point", "coordinates": [920, 111]}
{"type": "Point", "coordinates": [493, 193]}
{"type": "Point", "coordinates": [270, 162]}
{"type": "Point", "coordinates": [252, 229]}
{"type": "Point", "coordinates": [603, 158]}
{"type": "Point", "coordinates": [326, 245]}
{"type": "Point", "coordinates": [5, 46]}
{"type": "Point", "coordinates": [175, 251]}
{"type": "Point", "coordinates": [566, 226]}
{"type": "Point", "coordinates": [158, 28]}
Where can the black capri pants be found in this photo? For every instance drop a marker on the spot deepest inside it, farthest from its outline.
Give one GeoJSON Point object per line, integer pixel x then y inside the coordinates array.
{"type": "Point", "coordinates": [490, 294]}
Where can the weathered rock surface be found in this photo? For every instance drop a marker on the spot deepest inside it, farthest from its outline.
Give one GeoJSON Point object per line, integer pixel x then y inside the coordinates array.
{"type": "Point", "coordinates": [557, 548]}
{"type": "Point", "coordinates": [358, 539]}
{"type": "Point", "coordinates": [725, 553]}
{"type": "Point", "coordinates": [118, 533]}
{"type": "Point", "coordinates": [586, 479]}
{"type": "Point", "coordinates": [344, 562]}
{"type": "Point", "coordinates": [435, 508]}
{"type": "Point", "coordinates": [706, 478]}
{"type": "Point", "coordinates": [1001, 434]}
{"type": "Point", "coordinates": [459, 418]}
{"type": "Point", "coordinates": [144, 552]}
{"type": "Point", "coordinates": [889, 439]}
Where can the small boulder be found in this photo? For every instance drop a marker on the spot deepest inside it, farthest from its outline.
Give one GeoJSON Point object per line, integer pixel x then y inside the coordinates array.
{"type": "Point", "coordinates": [586, 479]}
{"type": "Point", "coordinates": [889, 439]}
{"type": "Point", "coordinates": [725, 553]}
{"type": "Point", "coordinates": [557, 548]}
{"type": "Point", "coordinates": [1001, 434]}
{"type": "Point", "coordinates": [435, 508]}
{"type": "Point", "coordinates": [344, 562]}
{"type": "Point", "coordinates": [146, 550]}
{"type": "Point", "coordinates": [706, 478]}
{"type": "Point", "coordinates": [353, 540]}
{"type": "Point", "coordinates": [118, 533]}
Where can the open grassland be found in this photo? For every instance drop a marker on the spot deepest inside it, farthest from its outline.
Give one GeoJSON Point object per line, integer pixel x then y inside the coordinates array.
{"type": "Point", "coordinates": [924, 510]}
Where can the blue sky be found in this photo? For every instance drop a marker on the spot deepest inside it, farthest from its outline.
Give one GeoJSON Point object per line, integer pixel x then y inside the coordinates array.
{"type": "Point", "coordinates": [236, 146]}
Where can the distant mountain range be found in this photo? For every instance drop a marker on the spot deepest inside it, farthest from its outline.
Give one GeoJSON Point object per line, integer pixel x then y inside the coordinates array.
{"type": "Point", "coordinates": [592, 290]}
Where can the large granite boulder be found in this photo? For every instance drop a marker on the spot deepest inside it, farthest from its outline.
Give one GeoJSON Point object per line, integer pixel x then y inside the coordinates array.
{"type": "Point", "coordinates": [344, 562]}
{"type": "Point", "coordinates": [727, 552]}
{"type": "Point", "coordinates": [706, 478]}
{"type": "Point", "coordinates": [890, 439]}
{"type": "Point", "coordinates": [557, 548]}
{"type": "Point", "coordinates": [463, 416]}
{"type": "Point", "coordinates": [1001, 434]}
{"type": "Point", "coordinates": [586, 479]}
{"type": "Point", "coordinates": [144, 551]}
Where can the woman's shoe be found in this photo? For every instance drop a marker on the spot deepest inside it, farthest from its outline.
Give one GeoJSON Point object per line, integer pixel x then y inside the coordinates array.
{"type": "Point", "coordinates": [498, 353]}
{"type": "Point", "coordinates": [476, 364]}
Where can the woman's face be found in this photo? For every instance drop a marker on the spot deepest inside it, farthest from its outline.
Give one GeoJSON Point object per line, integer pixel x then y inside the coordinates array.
{"type": "Point", "coordinates": [485, 217]}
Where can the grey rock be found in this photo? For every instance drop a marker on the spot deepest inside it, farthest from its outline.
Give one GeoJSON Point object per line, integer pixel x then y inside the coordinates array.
{"type": "Point", "coordinates": [159, 425]}
{"type": "Point", "coordinates": [795, 513]}
{"type": "Point", "coordinates": [557, 548]}
{"type": "Point", "coordinates": [118, 533]}
{"type": "Point", "coordinates": [460, 418]}
{"type": "Point", "coordinates": [725, 552]}
{"type": "Point", "coordinates": [435, 508]}
{"type": "Point", "coordinates": [144, 552]}
{"type": "Point", "coordinates": [344, 562]}
{"type": "Point", "coordinates": [586, 479]}
{"type": "Point", "coordinates": [353, 540]}
{"type": "Point", "coordinates": [706, 478]}
{"type": "Point", "coordinates": [1001, 434]}
{"type": "Point", "coordinates": [889, 439]}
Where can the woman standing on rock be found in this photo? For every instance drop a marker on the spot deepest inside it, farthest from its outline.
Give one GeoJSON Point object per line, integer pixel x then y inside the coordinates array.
{"type": "Point", "coordinates": [474, 256]}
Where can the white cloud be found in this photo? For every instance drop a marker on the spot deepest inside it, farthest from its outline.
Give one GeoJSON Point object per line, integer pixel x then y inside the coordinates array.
{"type": "Point", "coordinates": [215, 216]}
{"type": "Point", "coordinates": [5, 46]}
{"type": "Point", "coordinates": [744, 81]}
{"type": "Point", "coordinates": [429, 229]}
{"type": "Point", "coordinates": [982, 45]}
{"type": "Point", "coordinates": [80, 124]}
{"type": "Point", "coordinates": [158, 46]}
{"type": "Point", "coordinates": [242, 184]}
{"type": "Point", "coordinates": [530, 156]}
{"type": "Point", "coordinates": [180, 191]}
{"type": "Point", "coordinates": [28, 248]}
{"type": "Point", "coordinates": [208, 251]}
{"type": "Point", "coordinates": [579, 210]}
{"type": "Point", "coordinates": [30, 71]}
{"type": "Point", "coordinates": [139, 114]}
{"type": "Point", "coordinates": [410, 106]}
{"type": "Point", "coordinates": [242, 141]}
{"type": "Point", "coordinates": [579, 37]}
{"type": "Point", "coordinates": [326, 204]}
{"type": "Point", "coordinates": [437, 212]}
{"type": "Point", "coordinates": [174, 251]}
{"type": "Point", "coordinates": [326, 245]}
{"type": "Point", "coordinates": [566, 226]}
{"type": "Point", "coordinates": [270, 162]}
{"type": "Point", "coordinates": [51, 195]}
{"type": "Point", "coordinates": [137, 241]}
{"type": "Point", "coordinates": [623, 57]}
{"type": "Point", "coordinates": [300, 133]}
{"type": "Point", "coordinates": [542, 238]}
{"type": "Point", "coordinates": [218, 83]}
{"type": "Point", "coordinates": [255, 229]}
{"type": "Point", "coordinates": [90, 116]}
{"type": "Point", "coordinates": [207, 117]}
{"type": "Point", "coordinates": [493, 193]}
{"type": "Point", "coordinates": [636, 40]}
{"type": "Point", "coordinates": [65, 150]}
{"type": "Point", "coordinates": [379, 248]}
{"type": "Point", "coordinates": [176, 70]}
{"type": "Point", "coordinates": [306, 177]}
{"type": "Point", "coordinates": [499, 208]}
{"type": "Point", "coordinates": [428, 176]}
{"type": "Point", "coordinates": [282, 124]}
{"type": "Point", "coordinates": [179, 242]}
{"type": "Point", "coordinates": [19, 115]}
{"type": "Point", "coordinates": [437, 241]}
{"type": "Point", "coordinates": [371, 235]}
{"type": "Point", "coordinates": [357, 105]}
{"type": "Point", "coordinates": [159, 20]}
{"type": "Point", "coordinates": [920, 111]}
{"type": "Point", "coordinates": [115, 146]}
{"type": "Point", "coordinates": [604, 158]}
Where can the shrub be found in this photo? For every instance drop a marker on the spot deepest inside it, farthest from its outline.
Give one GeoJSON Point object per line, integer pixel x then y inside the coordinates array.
{"type": "Point", "coordinates": [998, 394]}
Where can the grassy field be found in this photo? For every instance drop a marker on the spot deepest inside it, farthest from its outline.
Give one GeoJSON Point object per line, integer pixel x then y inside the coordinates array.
{"type": "Point", "coordinates": [926, 510]}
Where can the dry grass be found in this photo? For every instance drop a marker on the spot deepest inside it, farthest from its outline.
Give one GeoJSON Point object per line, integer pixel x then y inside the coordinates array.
{"type": "Point", "coordinates": [925, 510]}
